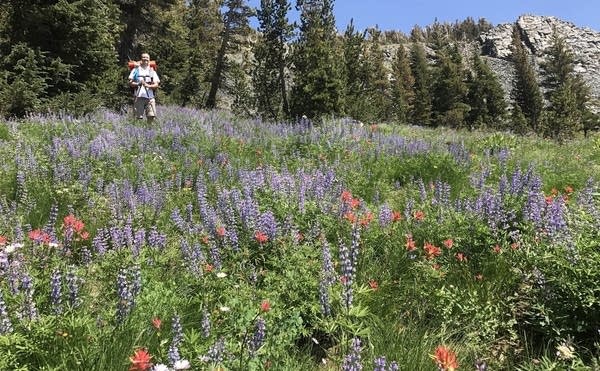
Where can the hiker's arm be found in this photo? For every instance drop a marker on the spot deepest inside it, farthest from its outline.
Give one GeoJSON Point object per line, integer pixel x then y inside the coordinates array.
{"type": "Point", "coordinates": [133, 84]}
{"type": "Point", "coordinates": [152, 85]}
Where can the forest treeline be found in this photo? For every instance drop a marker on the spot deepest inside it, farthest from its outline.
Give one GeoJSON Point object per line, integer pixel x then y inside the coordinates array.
{"type": "Point", "coordinates": [71, 55]}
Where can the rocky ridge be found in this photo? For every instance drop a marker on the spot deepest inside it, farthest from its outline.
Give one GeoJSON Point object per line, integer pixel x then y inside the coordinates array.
{"type": "Point", "coordinates": [536, 33]}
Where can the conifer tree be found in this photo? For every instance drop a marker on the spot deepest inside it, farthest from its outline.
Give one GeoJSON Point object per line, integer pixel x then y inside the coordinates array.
{"type": "Point", "coordinates": [566, 92]}
{"type": "Point", "coordinates": [526, 92]}
{"type": "Point", "coordinates": [270, 56]}
{"type": "Point", "coordinates": [421, 113]}
{"type": "Point", "coordinates": [235, 30]}
{"type": "Point", "coordinates": [171, 49]}
{"type": "Point", "coordinates": [485, 97]}
{"type": "Point", "coordinates": [416, 34]}
{"type": "Point", "coordinates": [204, 27]}
{"type": "Point", "coordinates": [71, 42]}
{"type": "Point", "coordinates": [402, 86]}
{"type": "Point", "coordinates": [354, 72]}
{"type": "Point", "coordinates": [318, 87]}
{"type": "Point", "coordinates": [378, 92]}
{"type": "Point", "coordinates": [141, 21]}
{"type": "Point", "coordinates": [449, 89]}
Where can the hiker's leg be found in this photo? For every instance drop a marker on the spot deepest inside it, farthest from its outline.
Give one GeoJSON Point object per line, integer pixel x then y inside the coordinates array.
{"type": "Point", "coordinates": [138, 107]}
{"type": "Point", "coordinates": [151, 110]}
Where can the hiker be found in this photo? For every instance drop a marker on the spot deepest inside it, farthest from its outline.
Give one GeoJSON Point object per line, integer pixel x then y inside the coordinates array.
{"type": "Point", "coordinates": [144, 80]}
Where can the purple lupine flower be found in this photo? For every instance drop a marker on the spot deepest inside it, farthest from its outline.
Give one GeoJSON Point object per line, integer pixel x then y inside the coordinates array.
{"type": "Point", "coordinates": [248, 211]}
{"type": "Point", "coordinates": [324, 298]}
{"type": "Point", "coordinates": [127, 233]}
{"type": "Point", "coordinates": [205, 323]}
{"type": "Point", "coordinates": [502, 186]}
{"type": "Point", "coordinates": [517, 183]}
{"type": "Point", "coordinates": [385, 215]}
{"type": "Point", "coordinates": [14, 276]}
{"type": "Point", "coordinates": [216, 353]}
{"type": "Point", "coordinates": [327, 269]}
{"type": "Point", "coordinates": [208, 215]}
{"type": "Point", "coordinates": [49, 228]}
{"type": "Point", "coordinates": [215, 255]}
{"type": "Point", "coordinates": [116, 237]}
{"type": "Point", "coordinates": [302, 192]}
{"type": "Point", "coordinates": [173, 354]}
{"type": "Point", "coordinates": [555, 217]}
{"type": "Point", "coordinates": [124, 296]}
{"type": "Point", "coordinates": [225, 209]}
{"type": "Point", "coordinates": [586, 201]}
{"type": "Point", "coordinates": [5, 323]}
{"type": "Point", "coordinates": [232, 237]}
{"type": "Point", "coordinates": [73, 283]}
{"type": "Point", "coordinates": [408, 209]}
{"type": "Point", "coordinates": [55, 291]}
{"type": "Point", "coordinates": [259, 336]}
{"type": "Point", "coordinates": [352, 360]}
{"type": "Point", "coordinates": [347, 274]}
{"type": "Point", "coordinates": [179, 222]}
{"type": "Point", "coordinates": [394, 366]}
{"type": "Point", "coordinates": [100, 242]}
{"type": "Point", "coordinates": [422, 189]}
{"type": "Point", "coordinates": [138, 241]}
{"type": "Point", "coordinates": [197, 259]}
{"type": "Point", "coordinates": [177, 331]}
{"type": "Point", "coordinates": [136, 281]}
{"type": "Point", "coordinates": [380, 364]}
{"type": "Point", "coordinates": [156, 240]}
{"type": "Point", "coordinates": [479, 182]}
{"type": "Point", "coordinates": [4, 263]}
{"type": "Point", "coordinates": [268, 224]}
{"type": "Point", "coordinates": [189, 213]}
{"type": "Point", "coordinates": [29, 310]}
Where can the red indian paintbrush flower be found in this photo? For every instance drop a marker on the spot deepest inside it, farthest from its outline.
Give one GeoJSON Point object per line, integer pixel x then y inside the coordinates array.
{"type": "Point", "coordinates": [410, 243]}
{"type": "Point", "coordinates": [419, 215]}
{"type": "Point", "coordinates": [373, 284]}
{"type": "Point", "coordinates": [156, 322]}
{"type": "Point", "coordinates": [140, 361]}
{"type": "Point", "coordinates": [445, 359]}
{"type": "Point", "coordinates": [261, 237]}
{"type": "Point", "coordinates": [265, 306]}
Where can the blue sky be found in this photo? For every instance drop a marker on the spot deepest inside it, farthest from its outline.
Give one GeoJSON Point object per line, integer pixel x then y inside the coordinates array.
{"type": "Point", "coordinates": [404, 14]}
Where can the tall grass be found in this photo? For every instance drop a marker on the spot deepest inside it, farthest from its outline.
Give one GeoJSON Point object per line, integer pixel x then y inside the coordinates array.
{"type": "Point", "coordinates": [241, 244]}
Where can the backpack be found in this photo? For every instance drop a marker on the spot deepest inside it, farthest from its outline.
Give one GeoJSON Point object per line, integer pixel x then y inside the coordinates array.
{"type": "Point", "coordinates": [134, 65]}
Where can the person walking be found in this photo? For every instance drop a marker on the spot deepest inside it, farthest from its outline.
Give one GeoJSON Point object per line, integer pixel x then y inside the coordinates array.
{"type": "Point", "coordinates": [145, 81]}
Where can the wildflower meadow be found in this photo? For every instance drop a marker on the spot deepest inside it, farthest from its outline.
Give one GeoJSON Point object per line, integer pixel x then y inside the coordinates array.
{"type": "Point", "coordinates": [212, 242]}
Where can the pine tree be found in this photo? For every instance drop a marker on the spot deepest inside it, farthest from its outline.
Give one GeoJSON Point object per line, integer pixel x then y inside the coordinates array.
{"type": "Point", "coordinates": [449, 89]}
{"type": "Point", "coordinates": [378, 94]}
{"type": "Point", "coordinates": [72, 43]}
{"type": "Point", "coordinates": [271, 61]}
{"type": "Point", "coordinates": [318, 87]}
{"type": "Point", "coordinates": [421, 113]}
{"type": "Point", "coordinates": [486, 97]}
{"type": "Point", "coordinates": [526, 92]}
{"type": "Point", "coordinates": [235, 29]}
{"type": "Point", "coordinates": [354, 72]}
{"type": "Point", "coordinates": [566, 92]}
{"type": "Point", "coordinates": [402, 86]}
{"type": "Point", "coordinates": [140, 22]}
{"type": "Point", "coordinates": [171, 49]}
{"type": "Point", "coordinates": [204, 27]}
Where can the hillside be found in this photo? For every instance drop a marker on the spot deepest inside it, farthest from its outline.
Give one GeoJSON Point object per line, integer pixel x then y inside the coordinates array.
{"type": "Point", "coordinates": [536, 32]}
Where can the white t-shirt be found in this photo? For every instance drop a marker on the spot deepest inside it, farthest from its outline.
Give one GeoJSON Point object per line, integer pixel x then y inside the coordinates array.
{"type": "Point", "coordinates": [148, 75]}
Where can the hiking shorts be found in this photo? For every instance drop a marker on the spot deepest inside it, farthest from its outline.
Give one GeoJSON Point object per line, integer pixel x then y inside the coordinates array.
{"type": "Point", "coordinates": [145, 106]}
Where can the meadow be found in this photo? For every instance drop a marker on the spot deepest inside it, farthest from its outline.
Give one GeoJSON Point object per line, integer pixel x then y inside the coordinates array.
{"type": "Point", "coordinates": [211, 242]}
